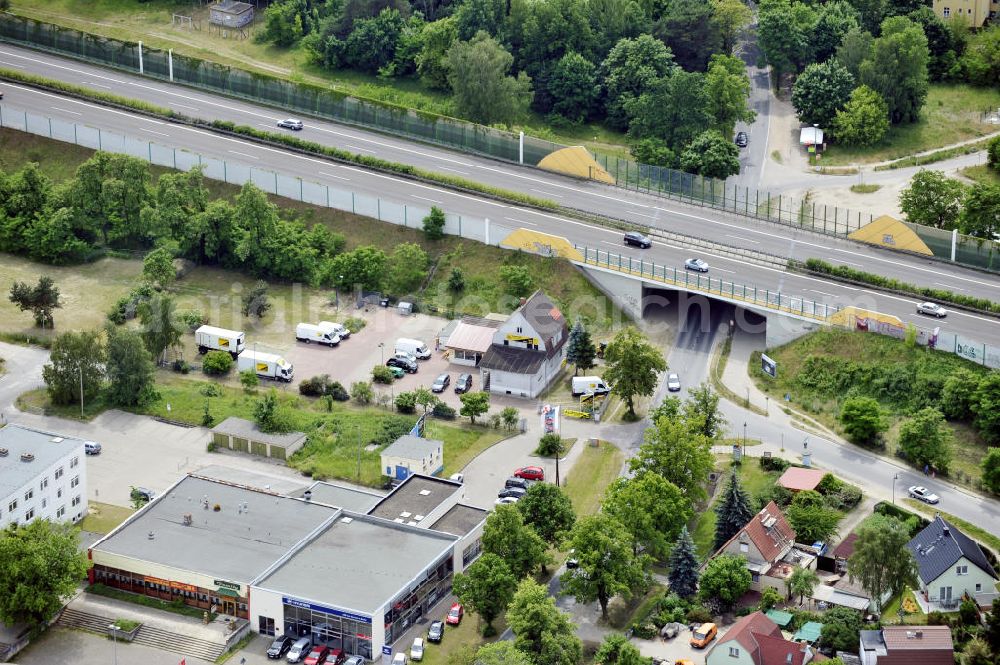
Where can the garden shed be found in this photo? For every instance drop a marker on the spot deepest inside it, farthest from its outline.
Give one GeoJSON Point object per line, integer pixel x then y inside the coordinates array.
{"type": "Point", "coordinates": [244, 436]}
{"type": "Point", "coordinates": [230, 13]}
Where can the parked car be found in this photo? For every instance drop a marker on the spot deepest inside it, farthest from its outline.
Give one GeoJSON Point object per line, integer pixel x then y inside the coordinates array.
{"type": "Point", "coordinates": [440, 383]}
{"type": "Point", "coordinates": [317, 656]}
{"type": "Point", "coordinates": [636, 239]}
{"type": "Point", "coordinates": [703, 634]}
{"type": "Point", "coordinates": [505, 501]}
{"type": "Point", "coordinates": [923, 494]}
{"type": "Point", "coordinates": [397, 372]}
{"type": "Point", "coordinates": [457, 477]}
{"type": "Point", "coordinates": [530, 472]}
{"type": "Point", "coordinates": [355, 660]}
{"type": "Point", "coordinates": [932, 309]}
{"type": "Point", "coordinates": [435, 633]}
{"type": "Point", "coordinates": [299, 650]}
{"type": "Point", "coordinates": [289, 123]}
{"type": "Point", "coordinates": [464, 383]}
{"type": "Point", "coordinates": [408, 366]}
{"type": "Point", "coordinates": [399, 659]}
{"type": "Point", "coordinates": [572, 561]}
{"type": "Point", "coordinates": [91, 448]}
{"type": "Point", "coordinates": [455, 615]}
{"type": "Point", "coordinates": [336, 657]}
{"type": "Point", "coordinates": [742, 140]}
{"type": "Point", "coordinates": [514, 492]}
{"type": "Point", "coordinates": [280, 646]}
{"type": "Point", "coordinates": [673, 382]}
{"type": "Point", "coordinates": [143, 494]}
{"type": "Point", "coordinates": [522, 483]}
{"type": "Point", "coordinates": [696, 264]}
{"type": "Point", "coordinates": [417, 649]}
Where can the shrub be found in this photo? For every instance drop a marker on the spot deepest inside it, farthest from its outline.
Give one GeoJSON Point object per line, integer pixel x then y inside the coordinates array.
{"type": "Point", "coordinates": [443, 411]}
{"type": "Point", "coordinates": [406, 402]}
{"type": "Point", "coordinates": [773, 464]}
{"type": "Point", "coordinates": [391, 428]}
{"type": "Point", "coordinates": [456, 281]}
{"type": "Point", "coordinates": [314, 386]}
{"type": "Point", "coordinates": [381, 374]}
{"type": "Point", "coordinates": [644, 631]}
{"type": "Point", "coordinates": [354, 324]}
{"type": "Point", "coordinates": [337, 391]}
{"type": "Point", "coordinates": [548, 445]}
{"type": "Point", "coordinates": [517, 280]}
{"type": "Point", "coordinates": [699, 614]}
{"type": "Point", "coordinates": [181, 366]}
{"type": "Point", "coordinates": [193, 318]}
{"type": "Point", "coordinates": [249, 380]}
{"type": "Point", "coordinates": [127, 307]}
{"type": "Point", "coordinates": [217, 363]}
{"type": "Point", "coordinates": [936, 618]}
{"type": "Point", "coordinates": [361, 392]}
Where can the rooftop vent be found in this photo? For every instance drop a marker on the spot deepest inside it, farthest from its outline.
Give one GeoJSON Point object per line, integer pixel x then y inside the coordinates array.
{"type": "Point", "coordinates": [914, 634]}
{"type": "Point", "coordinates": [56, 439]}
{"type": "Point", "coordinates": [307, 495]}
{"type": "Point", "coordinates": [4, 452]}
{"type": "Point", "coordinates": [946, 530]}
{"type": "Point", "coordinates": [398, 520]}
{"type": "Point", "coordinates": [151, 536]}
{"type": "Point", "coordinates": [347, 520]}
{"type": "Point", "coordinates": [405, 514]}
{"type": "Point", "coordinates": [411, 523]}
{"type": "Point", "coordinates": [187, 519]}
{"type": "Point", "coordinates": [769, 521]}
{"type": "Point", "coordinates": [27, 457]}
{"type": "Point", "coordinates": [425, 492]}
{"type": "Point", "coordinates": [418, 517]}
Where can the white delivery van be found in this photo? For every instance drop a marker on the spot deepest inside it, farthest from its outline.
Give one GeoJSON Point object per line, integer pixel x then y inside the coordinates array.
{"type": "Point", "coordinates": [268, 365]}
{"type": "Point", "coordinates": [414, 347]}
{"type": "Point", "coordinates": [342, 332]}
{"type": "Point", "coordinates": [210, 338]}
{"type": "Point", "coordinates": [307, 332]}
{"type": "Point", "coordinates": [589, 385]}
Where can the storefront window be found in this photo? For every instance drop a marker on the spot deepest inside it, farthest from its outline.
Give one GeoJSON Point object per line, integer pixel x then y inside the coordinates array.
{"type": "Point", "coordinates": [334, 631]}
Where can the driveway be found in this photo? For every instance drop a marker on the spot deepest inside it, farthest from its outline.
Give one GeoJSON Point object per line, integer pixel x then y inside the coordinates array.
{"type": "Point", "coordinates": [23, 371]}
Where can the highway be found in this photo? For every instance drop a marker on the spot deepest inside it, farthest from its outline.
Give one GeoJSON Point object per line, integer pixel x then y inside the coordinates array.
{"type": "Point", "coordinates": [585, 195]}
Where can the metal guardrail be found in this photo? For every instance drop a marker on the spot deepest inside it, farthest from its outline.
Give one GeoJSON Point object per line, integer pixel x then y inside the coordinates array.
{"type": "Point", "coordinates": [772, 300]}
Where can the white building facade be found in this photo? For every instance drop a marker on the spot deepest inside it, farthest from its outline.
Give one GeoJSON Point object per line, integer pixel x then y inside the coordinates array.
{"type": "Point", "coordinates": [42, 476]}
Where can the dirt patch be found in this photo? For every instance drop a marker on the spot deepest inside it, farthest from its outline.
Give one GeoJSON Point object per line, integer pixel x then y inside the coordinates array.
{"type": "Point", "coordinates": [885, 201]}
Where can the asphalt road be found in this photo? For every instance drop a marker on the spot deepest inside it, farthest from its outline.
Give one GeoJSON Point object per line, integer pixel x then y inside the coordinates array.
{"type": "Point", "coordinates": [754, 156]}
{"type": "Point", "coordinates": [585, 195]}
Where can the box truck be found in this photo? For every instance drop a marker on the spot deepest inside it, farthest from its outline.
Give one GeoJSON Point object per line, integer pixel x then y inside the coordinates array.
{"type": "Point", "coordinates": [210, 338]}
{"type": "Point", "coordinates": [338, 328]}
{"type": "Point", "coordinates": [414, 347]}
{"type": "Point", "coordinates": [589, 385]}
{"type": "Point", "coordinates": [307, 332]}
{"type": "Point", "coordinates": [268, 365]}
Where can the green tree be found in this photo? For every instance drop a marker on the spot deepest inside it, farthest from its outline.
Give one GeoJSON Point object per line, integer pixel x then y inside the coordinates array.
{"type": "Point", "coordinates": [981, 60]}
{"type": "Point", "coordinates": [733, 512]}
{"type": "Point", "coordinates": [863, 419]}
{"type": "Point", "coordinates": [25, 197]}
{"type": "Point", "coordinates": [683, 563]}
{"type": "Point", "coordinates": [579, 348]}
{"type": "Point", "coordinates": [424, 397]}
{"type": "Point", "coordinates": [517, 280]}
{"type": "Point", "coordinates": [608, 566]}
{"type": "Point", "coordinates": [678, 451]}
{"type": "Point", "coordinates": [249, 381]}
{"type": "Point", "coordinates": [730, 18]}
{"type": "Point", "coordinates": [41, 564]}
{"type": "Point", "coordinates": [820, 91]}
{"type": "Point", "coordinates": [267, 413]}
{"type": "Point", "coordinates": [364, 268]}
{"type": "Point", "coordinates": [573, 87]}
{"type": "Point", "coordinates": [500, 653]}
{"type": "Point", "coordinates": [474, 404]}
{"type": "Point", "coordinates": [76, 362]}
{"type": "Point", "coordinates": [841, 629]}
{"type": "Point", "coordinates": [652, 509]}
{"type": "Point", "coordinates": [633, 365]}
{"type": "Point", "coordinates": [371, 46]}
{"type": "Point", "coordinates": [854, 49]}
{"type": "Point", "coordinates": [812, 522]}
{"type": "Point", "coordinates": [801, 583]}
{"type": "Point", "coordinates": [991, 469]}
{"type": "Point", "coordinates": [986, 407]}
{"type": "Point", "coordinates": [484, 93]}
{"type": "Point", "coordinates": [540, 629]}
{"type": "Point", "coordinates": [712, 155]}
{"type": "Point", "coordinates": [434, 224]}
{"type": "Point", "coordinates": [255, 301]}
{"type": "Point", "coordinates": [508, 537]}
{"type": "Point", "coordinates": [897, 68]}
{"type": "Point", "coordinates": [217, 363]}
{"type": "Point", "coordinates": [926, 439]}
{"type": "Point", "coordinates": [728, 87]}
{"type": "Point", "coordinates": [40, 299]}
{"type": "Point", "coordinates": [630, 68]}
{"type": "Point", "coordinates": [703, 406]}
{"type": "Point", "coordinates": [176, 199]}
{"type": "Point", "coordinates": [129, 370]}
{"type": "Point", "coordinates": [407, 267]}
{"type": "Point", "coordinates": [687, 28]}
{"type": "Point", "coordinates": [976, 652]}
{"type": "Point", "coordinates": [549, 445]}
{"type": "Point", "coordinates": [614, 20]}
{"type": "Point", "coordinates": [958, 394]}
{"type": "Point", "coordinates": [160, 328]}
{"type": "Point", "coordinates": [361, 392]}
{"type": "Point", "coordinates": [864, 120]}
{"type": "Point", "coordinates": [51, 238]}
{"type": "Point", "coordinates": [432, 61]}
{"type": "Point", "coordinates": [675, 109]}
{"type": "Point", "coordinates": [769, 597]}
{"type": "Point", "coordinates": [871, 13]}
{"type": "Point", "coordinates": [486, 587]}
{"type": "Point", "coordinates": [617, 650]}
{"type": "Point", "coordinates": [547, 509]}
{"type": "Point", "coordinates": [653, 151]}
{"type": "Point", "coordinates": [456, 281]}
{"type": "Point", "coordinates": [725, 578]}
{"type": "Point", "coordinates": [991, 633]}
{"type": "Point", "coordinates": [509, 415]}
{"type": "Point", "coordinates": [834, 21]}
{"type": "Point", "coordinates": [932, 200]}
{"type": "Point", "coordinates": [881, 562]}
{"type": "Point", "coordinates": [993, 154]}
{"type": "Point", "coordinates": [784, 31]}
{"type": "Point", "coordinates": [256, 219]}
{"type": "Point", "coordinates": [474, 16]}
{"type": "Point", "coordinates": [981, 215]}
{"type": "Point", "coordinates": [158, 267]}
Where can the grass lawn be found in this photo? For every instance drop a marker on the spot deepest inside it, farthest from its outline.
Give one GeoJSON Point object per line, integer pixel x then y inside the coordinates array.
{"type": "Point", "coordinates": [913, 616]}
{"type": "Point", "coordinates": [982, 174]}
{"type": "Point", "coordinates": [103, 517]}
{"type": "Point", "coordinates": [951, 115]}
{"type": "Point", "coordinates": [466, 637]}
{"type": "Point", "coordinates": [593, 472]}
{"type": "Point", "coordinates": [623, 612]}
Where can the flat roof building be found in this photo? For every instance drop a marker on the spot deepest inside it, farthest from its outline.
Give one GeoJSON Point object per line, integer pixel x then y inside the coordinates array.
{"type": "Point", "coordinates": [411, 454]}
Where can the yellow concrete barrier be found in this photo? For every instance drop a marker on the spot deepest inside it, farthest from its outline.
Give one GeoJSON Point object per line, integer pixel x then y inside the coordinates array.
{"type": "Point", "coordinates": [887, 231]}
{"type": "Point", "coordinates": [541, 243]}
{"type": "Point", "coordinates": [576, 161]}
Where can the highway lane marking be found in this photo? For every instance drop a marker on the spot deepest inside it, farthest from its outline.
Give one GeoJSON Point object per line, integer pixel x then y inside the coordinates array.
{"type": "Point", "coordinates": [152, 131]}
{"type": "Point", "coordinates": [824, 293]}
{"type": "Point", "coordinates": [732, 272]}
{"type": "Point", "coordinates": [520, 221]}
{"type": "Point", "coordinates": [96, 107]}
{"type": "Point", "coordinates": [244, 154]}
{"type": "Point", "coordinates": [354, 147]}
{"type": "Point", "coordinates": [66, 111]}
{"type": "Point", "coordinates": [331, 175]}
{"type": "Point", "coordinates": [756, 242]}
{"type": "Point", "coordinates": [424, 198]}
{"type": "Point", "coordinates": [184, 106]}
{"type": "Point", "coordinates": [950, 286]}
{"type": "Point", "coordinates": [951, 312]}
{"type": "Point", "coordinates": [445, 168]}
{"type": "Point", "coordinates": [641, 214]}
{"type": "Point", "coordinates": [542, 191]}
{"type": "Point", "coordinates": [850, 263]}
{"type": "Point", "coordinates": [97, 85]}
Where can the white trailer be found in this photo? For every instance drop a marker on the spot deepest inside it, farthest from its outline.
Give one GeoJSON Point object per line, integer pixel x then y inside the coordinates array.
{"type": "Point", "coordinates": [210, 338]}
{"type": "Point", "coordinates": [307, 332]}
{"type": "Point", "coordinates": [338, 328]}
{"type": "Point", "coordinates": [267, 365]}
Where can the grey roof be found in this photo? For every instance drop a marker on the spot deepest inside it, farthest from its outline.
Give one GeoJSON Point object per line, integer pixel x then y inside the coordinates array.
{"type": "Point", "coordinates": [252, 530]}
{"type": "Point", "coordinates": [512, 359]}
{"type": "Point", "coordinates": [257, 479]}
{"type": "Point", "coordinates": [461, 519]}
{"type": "Point", "coordinates": [482, 322]}
{"type": "Point", "coordinates": [412, 447]}
{"type": "Point", "coordinates": [937, 547]}
{"type": "Point", "coordinates": [341, 496]}
{"type": "Point", "coordinates": [543, 315]}
{"type": "Point", "coordinates": [872, 639]}
{"type": "Point", "coordinates": [358, 563]}
{"type": "Point", "coordinates": [46, 447]}
{"type": "Point", "coordinates": [248, 430]}
{"type": "Point", "coordinates": [418, 495]}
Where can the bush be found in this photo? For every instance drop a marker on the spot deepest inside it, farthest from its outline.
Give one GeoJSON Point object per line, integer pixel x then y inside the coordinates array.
{"type": "Point", "coordinates": [361, 392]}
{"type": "Point", "coordinates": [337, 391]}
{"type": "Point", "coordinates": [193, 319]}
{"type": "Point", "coordinates": [249, 380]}
{"type": "Point", "coordinates": [181, 366]}
{"type": "Point", "coordinates": [443, 411]}
{"type": "Point", "coordinates": [406, 402]}
{"type": "Point", "coordinates": [217, 363]}
{"type": "Point", "coordinates": [391, 428]}
{"type": "Point", "coordinates": [773, 464]}
{"type": "Point", "coordinates": [549, 445]}
{"type": "Point", "coordinates": [517, 280]}
{"type": "Point", "coordinates": [644, 631]}
{"type": "Point", "coordinates": [381, 374]}
{"type": "Point", "coordinates": [936, 618]}
{"type": "Point", "coordinates": [781, 496]}
{"type": "Point", "coordinates": [127, 307]}
{"type": "Point", "coordinates": [354, 324]}
{"type": "Point", "coordinates": [322, 386]}
{"type": "Point", "coordinates": [699, 614]}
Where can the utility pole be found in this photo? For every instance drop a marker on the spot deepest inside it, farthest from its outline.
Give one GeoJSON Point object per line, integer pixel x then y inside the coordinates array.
{"type": "Point", "coordinates": [359, 454]}
{"type": "Point", "coordinates": [80, 368]}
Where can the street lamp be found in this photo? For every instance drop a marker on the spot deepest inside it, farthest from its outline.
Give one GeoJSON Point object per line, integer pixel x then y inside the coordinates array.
{"type": "Point", "coordinates": [744, 438]}
{"type": "Point", "coordinates": [381, 347]}
{"type": "Point", "coordinates": [895, 477]}
{"type": "Point", "coordinates": [80, 369]}
{"type": "Point", "coordinates": [114, 633]}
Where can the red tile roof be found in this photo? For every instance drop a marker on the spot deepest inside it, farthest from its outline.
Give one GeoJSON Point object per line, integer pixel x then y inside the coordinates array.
{"type": "Point", "coordinates": [775, 651]}
{"type": "Point", "coordinates": [769, 531]}
{"type": "Point", "coordinates": [797, 479]}
{"type": "Point", "coordinates": [921, 638]}
{"type": "Point", "coordinates": [846, 548]}
{"type": "Point", "coordinates": [762, 639]}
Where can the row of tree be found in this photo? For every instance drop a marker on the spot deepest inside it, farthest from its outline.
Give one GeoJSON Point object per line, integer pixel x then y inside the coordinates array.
{"type": "Point", "coordinates": [932, 199]}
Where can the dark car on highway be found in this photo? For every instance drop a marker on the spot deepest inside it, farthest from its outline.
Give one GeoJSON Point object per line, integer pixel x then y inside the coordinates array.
{"type": "Point", "coordinates": [637, 240]}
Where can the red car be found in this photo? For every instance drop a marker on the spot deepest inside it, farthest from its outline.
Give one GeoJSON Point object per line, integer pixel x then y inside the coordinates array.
{"type": "Point", "coordinates": [530, 473]}
{"type": "Point", "coordinates": [317, 656]}
{"type": "Point", "coordinates": [455, 615]}
{"type": "Point", "coordinates": [336, 657]}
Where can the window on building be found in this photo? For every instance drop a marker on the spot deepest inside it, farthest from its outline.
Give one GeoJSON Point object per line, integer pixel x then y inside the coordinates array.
{"type": "Point", "coordinates": [961, 570]}
{"type": "Point", "coordinates": [42, 486]}
{"type": "Point", "coordinates": [29, 515]}
{"type": "Point", "coordinates": [29, 495]}
{"type": "Point", "coordinates": [59, 493]}
{"type": "Point", "coordinates": [519, 329]}
{"type": "Point", "coordinates": [59, 473]}
{"type": "Point", "coordinates": [61, 511]}
{"type": "Point", "coordinates": [74, 462]}
{"type": "Point", "coordinates": [75, 501]}
{"type": "Point", "coordinates": [75, 481]}
{"type": "Point", "coordinates": [979, 587]}
{"type": "Point", "coordinates": [946, 12]}
{"type": "Point", "coordinates": [744, 547]}
{"type": "Point", "coordinates": [734, 652]}
{"type": "Point", "coordinates": [45, 502]}
{"type": "Point", "coordinates": [12, 506]}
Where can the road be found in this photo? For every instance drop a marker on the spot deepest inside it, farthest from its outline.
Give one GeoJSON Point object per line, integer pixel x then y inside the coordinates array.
{"type": "Point", "coordinates": [754, 156]}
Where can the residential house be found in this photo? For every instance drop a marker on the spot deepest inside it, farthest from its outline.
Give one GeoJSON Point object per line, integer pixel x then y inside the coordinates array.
{"type": "Point", "coordinates": [950, 564]}
{"type": "Point", "coordinates": [767, 542]}
{"type": "Point", "coordinates": [974, 12]}
{"type": "Point", "coordinates": [527, 350]}
{"type": "Point", "coordinates": [907, 645]}
{"type": "Point", "coordinates": [756, 640]}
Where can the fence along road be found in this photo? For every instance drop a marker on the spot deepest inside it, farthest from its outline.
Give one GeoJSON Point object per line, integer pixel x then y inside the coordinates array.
{"type": "Point", "coordinates": [353, 189]}
{"type": "Point", "coordinates": [635, 206]}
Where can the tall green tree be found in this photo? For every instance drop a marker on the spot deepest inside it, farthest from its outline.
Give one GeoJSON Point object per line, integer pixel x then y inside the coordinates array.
{"type": "Point", "coordinates": [617, 650]}
{"type": "Point", "coordinates": [52, 238]}
{"type": "Point", "coordinates": [486, 587]}
{"type": "Point", "coordinates": [40, 299]}
{"type": "Point", "coordinates": [546, 508]}
{"type": "Point", "coordinates": [991, 469]}
{"type": "Point", "coordinates": [256, 219]}
{"type": "Point", "coordinates": [730, 18]}
{"type": "Point", "coordinates": [474, 405]}
{"type": "Point", "coordinates": [652, 509]}
{"type": "Point", "coordinates": [863, 419]}
{"type": "Point", "coordinates": [630, 69]}
{"type": "Point", "coordinates": [210, 236]}
{"type": "Point", "coordinates": [679, 451]}
{"type": "Point", "coordinates": [733, 512]}
{"type": "Point", "coordinates": [725, 578]}
{"type": "Point", "coordinates": [801, 582]}
{"type": "Point", "coordinates": [812, 522]}
{"type": "Point", "coordinates": [371, 46]}
{"type": "Point", "coordinates": [981, 60]}
{"type": "Point", "coordinates": [981, 215]}
{"type": "Point", "coordinates": [687, 28]}
{"type": "Point", "coordinates": [712, 155]}
{"type": "Point", "coordinates": [633, 365]}
{"type": "Point", "coordinates": [854, 49]}
{"type": "Point", "coordinates": [407, 267]}
{"type": "Point", "coordinates": [986, 407]}
{"type": "Point", "coordinates": [540, 629]}
{"type": "Point", "coordinates": [574, 88]}
{"type": "Point", "coordinates": [432, 61]}
{"type": "Point", "coordinates": [474, 16]}
{"type": "Point", "coordinates": [614, 20]}
{"type": "Point", "coordinates": [76, 362]}
{"type": "Point", "coordinates": [864, 120]}
{"type": "Point", "coordinates": [501, 653]}
{"type": "Point", "coordinates": [683, 563]}
{"type": "Point", "coordinates": [932, 200]}
{"type": "Point", "coordinates": [675, 109]}
{"type": "Point", "coordinates": [608, 566]}
{"type": "Point", "coordinates": [161, 330]}
{"type": "Point", "coordinates": [484, 93]}
{"type": "Point", "coordinates": [881, 562]}
{"type": "Point", "coordinates": [834, 21]}
{"type": "Point", "coordinates": [158, 267]}
{"type": "Point", "coordinates": [728, 87]}
{"type": "Point", "coordinates": [364, 268]}
{"type": "Point", "coordinates": [507, 536]}
{"type": "Point", "coordinates": [703, 406]}
{"type": "Point", "coordinates": [820, 91]}
{"type": "Point", "coordinates": [926, 439]}
{"type": "Point", "coordinates": [897, 68]}
{"type": "Point", "coordinates": [841, 628]}
{"type": "Point", "coordinates": [784, 31]}
{"type": "Point", "coordinates": [40, 565]}
{"type": "Point", "coordinates": [579, 348]}
{"type": "Point", "coordinates": [129, 370]}
{"type": "Point", "coordinates": [871, 13]}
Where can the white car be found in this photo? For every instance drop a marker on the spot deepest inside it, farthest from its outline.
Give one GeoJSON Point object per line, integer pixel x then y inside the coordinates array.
{"type": "Point", "coordinates": [417, 649]}
{"type": "Point", "coordinates": [399, 658]}
{"type": "Point", "coordinates": [932, 309]}
{"type": "Point", "coordinates": [673, 382]}
{"type": "Point", "coordinates": [506, 500]}
{"type": "Point", "coordinates": [923, 494]}
{"type": "Point", "coordinates": [290, 123]}
{"type": "Point", "coordinates": [696, 264]}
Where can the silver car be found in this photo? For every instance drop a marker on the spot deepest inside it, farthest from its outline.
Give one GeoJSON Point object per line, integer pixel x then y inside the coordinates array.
{"type": "Point", "coordinates": [923, 494]}
{"type": "Point", "coordinates": [289, 123]}
{"type": "Point", "coordinates": [932, 309]}
{"type": "Point", "coordinates": [673, 382]}
{"type": "Point", "coordinates": [696, 264]}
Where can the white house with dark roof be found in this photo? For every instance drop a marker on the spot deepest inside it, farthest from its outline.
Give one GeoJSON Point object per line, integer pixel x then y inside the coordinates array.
{"type": "Point", "coordinates": [527, 349]}
{"type": "Point", "coordinates": [950, 565]}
